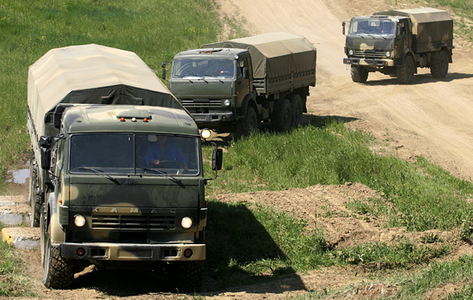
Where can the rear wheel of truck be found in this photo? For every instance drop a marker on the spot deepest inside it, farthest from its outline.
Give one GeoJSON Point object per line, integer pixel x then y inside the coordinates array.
{"type": "Point", "coordinates": [297, 109]}
{"type": "Point", "coordinates": [439, 64]}
{"type": "Point", "coordinates": [358, 74]}
{"type": "Point", "coordinates": [249, 124]}
{"type": "Point", "coordinates": [405, 73]}
{"type": "Point", "coordinates": [185, 276]}
{"type": "Point", "coordinates": [282, 116]}
{"type": "Point", "coordinates": [58, 272]}
{"type": "Point", "coordinates": [34, 199]}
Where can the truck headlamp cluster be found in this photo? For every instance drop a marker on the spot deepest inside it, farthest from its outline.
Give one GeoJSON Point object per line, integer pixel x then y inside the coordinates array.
{"type": "Point", "coordinates": [388, 54]}
{"type": "Point", "coordinates": [186, 222]}
{"type": "Point", "coordinates": [350, 52]}
{"type": "Point", "coordinates": [79, 220]}
{"type": "Point", "coordinates": [227, 102]}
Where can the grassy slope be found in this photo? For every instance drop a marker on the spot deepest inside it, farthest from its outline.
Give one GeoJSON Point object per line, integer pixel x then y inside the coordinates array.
{"type": "Point", "coordinates": [155, 30]}
{"type": "Point", "coordinates": [422, 193]}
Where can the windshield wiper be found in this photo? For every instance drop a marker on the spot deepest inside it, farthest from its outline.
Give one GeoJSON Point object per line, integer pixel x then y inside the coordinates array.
{"type": "Point", "coordinates": [100, 172]}
{"type": "Point", "coordinates": [185, 77]}
{"type": "Point", "coordinates": [162, 173]}
{"type": "Point", "coordinates": [221, 81]}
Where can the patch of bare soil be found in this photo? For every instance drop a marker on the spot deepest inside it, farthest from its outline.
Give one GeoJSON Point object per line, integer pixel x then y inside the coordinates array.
{"type": "Point", "coordinates": [325, 207]}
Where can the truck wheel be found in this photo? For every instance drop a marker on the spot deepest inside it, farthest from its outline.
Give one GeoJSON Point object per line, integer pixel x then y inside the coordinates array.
{"type": "Point", "coordinates": [358, 74]}
{"type": "Point", "coordinates": [249, 124]}
{"type": "Point", "coordinates": [282, 116]}
{"type": "Point", "coordinates": [297, 109]}
{"type": "Point", "coordinates": [186, 276]}
{"type": "Point", "coordinates": [405, 73]}
{"type": "Point", "coordinates": [439, 64]}
{"type": "Point", "coordinates": [34, 199]}
{"type": "Point", "coordinates": [58, 272]}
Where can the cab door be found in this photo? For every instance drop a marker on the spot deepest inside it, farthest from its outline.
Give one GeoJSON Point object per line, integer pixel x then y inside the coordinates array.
{"type": "Point", "coordinates": [403, 37]}
{"type": "Point", "coordinates": [242, 87]}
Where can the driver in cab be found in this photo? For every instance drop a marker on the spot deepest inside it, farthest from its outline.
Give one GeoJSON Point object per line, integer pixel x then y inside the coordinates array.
{"type": "Point", "coordinates": [165, 153]}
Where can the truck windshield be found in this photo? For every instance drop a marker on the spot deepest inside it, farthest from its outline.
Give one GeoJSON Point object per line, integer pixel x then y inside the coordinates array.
{"type": "Point", "coordinates": [221, 68]}
{"type": "Point", "coordinates": [154, 154]}
{"type": "Point", "coordinates": [372, 27]}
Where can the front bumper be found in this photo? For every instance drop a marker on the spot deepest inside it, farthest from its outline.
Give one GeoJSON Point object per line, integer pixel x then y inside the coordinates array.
{"type": "Point", "coordinates": [369, 62]}
{"type": "Point", "coordinates": [132, 252]}
{"type": "Point", "coordinates": [212, 117]}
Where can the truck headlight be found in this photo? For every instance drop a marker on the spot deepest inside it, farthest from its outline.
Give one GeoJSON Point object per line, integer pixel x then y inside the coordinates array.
{"type": "Point", "coordinates": [227, 102]}
{"type": "Point", "coordinates": [388, 54]}
{"type": "Point", "coordinates": [205, 133]}
{"type": "Point", "coordinates": [79, 220]}
{"type": "Point", "coordinates": [186, 222]}
{"type": "Point", "coordinates": [350, 52]}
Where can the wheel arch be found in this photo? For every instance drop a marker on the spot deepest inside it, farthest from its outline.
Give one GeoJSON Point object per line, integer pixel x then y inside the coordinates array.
{"type": "Point", "coordinates": [52, 218]}
{"type": "Point", "coordinates": [249, 100]}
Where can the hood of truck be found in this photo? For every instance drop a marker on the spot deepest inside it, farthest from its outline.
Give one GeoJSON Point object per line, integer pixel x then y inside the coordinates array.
{"type": "Point", "coordinates": [210, 88]}
{"type": "Point", "coordinates": [138, 192]}
{"type": "Point", "coordinates": [371, 42]}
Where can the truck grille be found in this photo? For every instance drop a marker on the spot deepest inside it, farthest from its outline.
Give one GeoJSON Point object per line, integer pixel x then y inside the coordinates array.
{"type": "Point", "coordinates": [201, 102]}
{"type": "Point", "coordinates": [132, 222]}
{"type": "Point", "coordinates": [369, 54]}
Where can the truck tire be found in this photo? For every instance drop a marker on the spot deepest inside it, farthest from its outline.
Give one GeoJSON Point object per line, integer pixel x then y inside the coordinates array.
{"type": "Point", "coordinates": [439, 64]}
{"type": "Point", "coordinates": [58, 272]}
{"type": "Point", "coordinates": [282, 116]}
{"type": "Point", "coordinates": [34, 199]}
{"type": "Point", "coordinates": [185, 276]}
{"type": "Point", "coordinates": [358, 74]}
{"type": "Point", "coordinates": [405, 73]}
{"type": "Point", "coordinates": [297, 109]}
{"type": "Point", "coordinates": [249, 124]}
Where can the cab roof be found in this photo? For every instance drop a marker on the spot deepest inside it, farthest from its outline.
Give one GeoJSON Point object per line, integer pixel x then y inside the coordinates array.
{"type": "Point", "coordinates": [125, 118]}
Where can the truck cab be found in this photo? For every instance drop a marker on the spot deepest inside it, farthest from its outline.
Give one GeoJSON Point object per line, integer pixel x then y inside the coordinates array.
{"type": "Point", "coordinates": [212, 84]}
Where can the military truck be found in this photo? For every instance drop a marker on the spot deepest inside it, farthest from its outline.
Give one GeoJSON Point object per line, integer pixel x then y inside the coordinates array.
{"type": "Point", "coordinates": [241, 84]}
{"type": "Point", "coordinates": [397, 42]}
{"type": "Point", "coordinates": [94, 113]}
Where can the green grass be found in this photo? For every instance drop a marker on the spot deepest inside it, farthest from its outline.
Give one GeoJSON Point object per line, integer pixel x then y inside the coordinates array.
{"type": "Point", "coordinates": [13, 281]}
{"type": "Point", "coordinates": [423, 196]}
{"type": "Point", "coordinates": [252, 242]}
{"type": "Point", "coordinates": [453, 272]}
{"type": "Point", "coordinates": [155, 30]}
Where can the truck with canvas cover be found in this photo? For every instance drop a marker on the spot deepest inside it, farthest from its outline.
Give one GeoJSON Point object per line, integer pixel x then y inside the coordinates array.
{"type": "Point", "coordinates": [238, 85]}
{"type": "Point", "coordinates": [397, 42]}
{"type": "Point", "coordinates": [116, 168]}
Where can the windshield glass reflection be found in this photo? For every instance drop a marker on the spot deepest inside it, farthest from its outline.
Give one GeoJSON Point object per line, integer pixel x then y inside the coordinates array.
{"type": "Point", "coordinates": [220, 68]}
{"type": "Point", "coordinates": [134, 153]}
{"type": "Point", "coordinates": [372, 27]}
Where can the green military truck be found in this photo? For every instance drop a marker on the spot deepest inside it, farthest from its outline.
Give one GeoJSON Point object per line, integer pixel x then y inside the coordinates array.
{"type": "Point", "coordinates": [238, 85]}
{"type": "Point", "coordinates": [96, 118]}
{"type": "Point", "coordinates": [397, 42]}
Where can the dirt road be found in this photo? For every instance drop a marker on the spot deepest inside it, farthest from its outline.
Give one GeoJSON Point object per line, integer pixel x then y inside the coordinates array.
{"type": "Point", "coordinates": [431, 118]}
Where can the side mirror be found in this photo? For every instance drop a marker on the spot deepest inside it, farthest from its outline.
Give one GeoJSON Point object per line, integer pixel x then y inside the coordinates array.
{"type": "Point", "coordinates": [217, 159]}
{"type": "Point", "coordinates": [45, 148]}
{"type": "Point", "coordinates": [45, 158]}
{"type": "Point", "coordinates": [163, 66]}
{"type": "Point", "coordinates": [343, 27]}
{"type": "Point", "coordinates": [45, 141]}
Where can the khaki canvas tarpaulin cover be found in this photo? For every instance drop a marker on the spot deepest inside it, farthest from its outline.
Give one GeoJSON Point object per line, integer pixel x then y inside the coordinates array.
{"type": "Point", "coordinates": [430, 25]}
{"type": "Point", "coordinates": [275, 54]}
{"type": "Point", "coordinates": [92, 74]}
